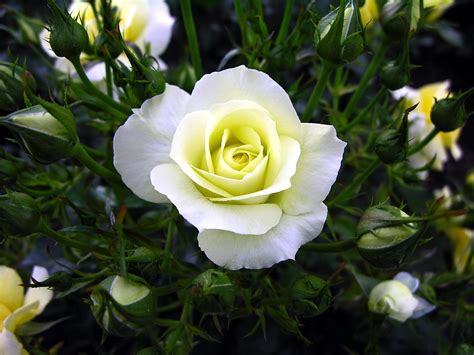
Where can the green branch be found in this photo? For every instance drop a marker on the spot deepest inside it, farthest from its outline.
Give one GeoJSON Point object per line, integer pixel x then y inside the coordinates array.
{"type": "Point", "coordinates": [315, 97]}
{"type": "Point", "coordinates": [333, 247]}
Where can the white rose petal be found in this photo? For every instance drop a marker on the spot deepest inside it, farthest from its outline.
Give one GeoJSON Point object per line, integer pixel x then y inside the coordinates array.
{"type": "Point", "coordinates": [144, 141]}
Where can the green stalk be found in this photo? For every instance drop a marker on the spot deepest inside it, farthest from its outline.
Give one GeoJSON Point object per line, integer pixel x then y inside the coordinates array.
{"type": "Point", "coordinates": [192, 37]}
{"type": "Point", "coordinates": [73, 243]}
{"type": "Point", "coordinates": [93, 89]}
{"type": "Point", "coordinates": [417, 147]}
{"type": "Point", "coordinates": [364, 81]}
{"type": "Point", "coordinates": [333, 247]}
{"type": "Point", "coordinates": [108, 79]}
{"type": "Point", "coordinates": [318, 90]}
{"type": "Point", "coordinates": [283, 32]}
{"type": "Point", "coordinates": [81, 154]}
{"type": "Point", "coordinates": [242, 22]}
{"type": "Point", "coordinates": [359, 179]}
{"type": "Point", "coordinates": [364, 112]}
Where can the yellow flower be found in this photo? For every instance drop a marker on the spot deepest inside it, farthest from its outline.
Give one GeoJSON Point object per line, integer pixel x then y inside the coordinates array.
{"type": "Point", "coordinates": [369, 13]}
{"type": "Point", "coordinates": [421, 126]}
{"type": "Point", "coordinates": [17, 307]}
{"type": "Point", "coordinates": [462, 239]}
{"type": "Point", "coordinates": [436, 8]}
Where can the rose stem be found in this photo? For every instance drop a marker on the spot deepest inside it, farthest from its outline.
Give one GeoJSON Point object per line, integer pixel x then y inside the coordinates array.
{"type": "Point", "coordinates": [326, 70]}
{"type": "Point", "coordinates": [364, 81]}
{"type": "Point", "coordinates": [192, 37]}
{"type": "Point", "coordinates": [333, 247]}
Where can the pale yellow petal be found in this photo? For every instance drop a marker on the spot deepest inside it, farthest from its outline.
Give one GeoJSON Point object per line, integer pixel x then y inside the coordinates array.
{"type": "Point", "coordinates": [11, 290]}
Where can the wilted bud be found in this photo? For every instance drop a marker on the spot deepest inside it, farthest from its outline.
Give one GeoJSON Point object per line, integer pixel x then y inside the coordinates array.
{"type": "Point", "coordinates": [41, 135]}
{"type": "Point", "coordinates": [385, 236]}
{"type": "Point", "coordinates": [310, 296]}
{"type": "Point", "coordinates": [12, 86]}
{"type": "Point", "coordinates": [19, 214]}
{"type": "Point", "coordinates": [68, 38]}
{"type": "Point", "coordinates": [121, 306]}
{"type": "Point", "coordinates": [392, 145]}
{"type": "Point", "coordinates": [400, 17]}
{"type": "Point", "coordinates": [339, 37]}
{"type": "Point", "coordinates": [395, 298]}
{"type": "Point", "coordinates": [449, 114]}
{"type": "Point", "coordinates": [213, 292]}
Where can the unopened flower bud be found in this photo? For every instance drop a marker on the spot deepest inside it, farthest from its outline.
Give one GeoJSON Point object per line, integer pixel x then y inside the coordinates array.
{"type": "Point", "coordinates": [310, 296]}
{"type": "Point", "coordinates": [396, 74]}
{"type": "Point", "coordinates": [19, 214]}
{"type": "Point", "coordinates": [213, 292]}
{"type": "Point", "coordinates": [449, 114]}
{"type": "Point", "coordinates": [385, 236]}
{"type": "Point", "coordinates": [13, 79]}
{"type": "Point", "coordinates": [121, 306]}
{"type": "Point", "coordinates": [392, 145]}
{"type": "Point", "coordinates": [42, 136]}
{"type": "Point", "coordinates": [339, 37]}
{"type": "Point", "coordinates": [68, 38]}
{"type": "Point", "coordinates": [400, 17]}
{"type": "Point", "coordinates": [395, 298]}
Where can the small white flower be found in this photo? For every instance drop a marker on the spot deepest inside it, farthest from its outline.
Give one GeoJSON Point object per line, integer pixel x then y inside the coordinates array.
{"type": "Point", "coordinates": [236, 161]}
{"type": "Point", "coordinates": [395, 298]}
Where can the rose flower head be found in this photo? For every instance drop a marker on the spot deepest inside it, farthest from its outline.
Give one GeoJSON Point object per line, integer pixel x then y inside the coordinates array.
{"type": "Point", "coordinates": [237, 163]}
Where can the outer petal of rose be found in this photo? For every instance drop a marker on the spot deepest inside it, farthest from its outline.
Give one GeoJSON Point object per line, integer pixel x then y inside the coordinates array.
{"type": "Point", "coordinates": [241, 83]}
{"type": "Point", "coordinates": [9, 344]}
{"type": "Point", "coordinates": [170, 180]}
{"type": "Point", "coordinates": [144, 141]}
{"type": "Point", "coordinates": [317, 169]}
{"type": "Point", "coordinates": [11, 290]}
{"type": "Point", "coordinates": [41, 294]}
{"type": "Point", "coordinates": [21, 316]}
{"type": "Point", "coordinates": [159, 29]}
{"type": "Point", "coordinates": [235, 251]}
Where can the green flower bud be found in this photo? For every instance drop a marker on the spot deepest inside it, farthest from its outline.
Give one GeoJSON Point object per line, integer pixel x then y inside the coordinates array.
{"type": "Point", "coordinates": [385, 236]}
{"type": "Point", "coordinates": [469, 184]}
{"type": "Point", "coordinates": [108, 44]}
{"type": "Point", "coordinates": [121, 306]}
{"type": "Point", "coordinates": [68, 38]}
{"type": "Point", "coordinates": [310, 296]}
{"type": "Point", "coordinates": [213, 292]}
{"type": "Point", "coordinates": [396, 74]}
{"type": "Point", "coordinates": [12, 86]}
{"type": "Point", "coordinates": [392, 145]}
{"type": "Point", "coordinates": [400, 17]}
{"type": "Point", "coordinates": [41, 135]}
{"type": "Point", "coordinates": [339, 37]}
{"type": "Point", "coordinates": [449, 114]}
{"type": "Point", "coordinates": [19, 214]}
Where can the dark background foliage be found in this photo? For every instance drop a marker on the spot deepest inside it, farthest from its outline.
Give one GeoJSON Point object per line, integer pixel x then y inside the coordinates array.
{"type": "Point", "coordinates": [441, 56]}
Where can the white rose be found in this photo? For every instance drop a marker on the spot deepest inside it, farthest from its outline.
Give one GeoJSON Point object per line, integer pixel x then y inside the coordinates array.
{"type": "Point", "coordinates": [421, 126]}
{"type": "Point", "coordinates": [395, 298]}
{"type": "Point", "coordinates": [236, 161]}
{"type": "Point", "coordinates": [142, 22]}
